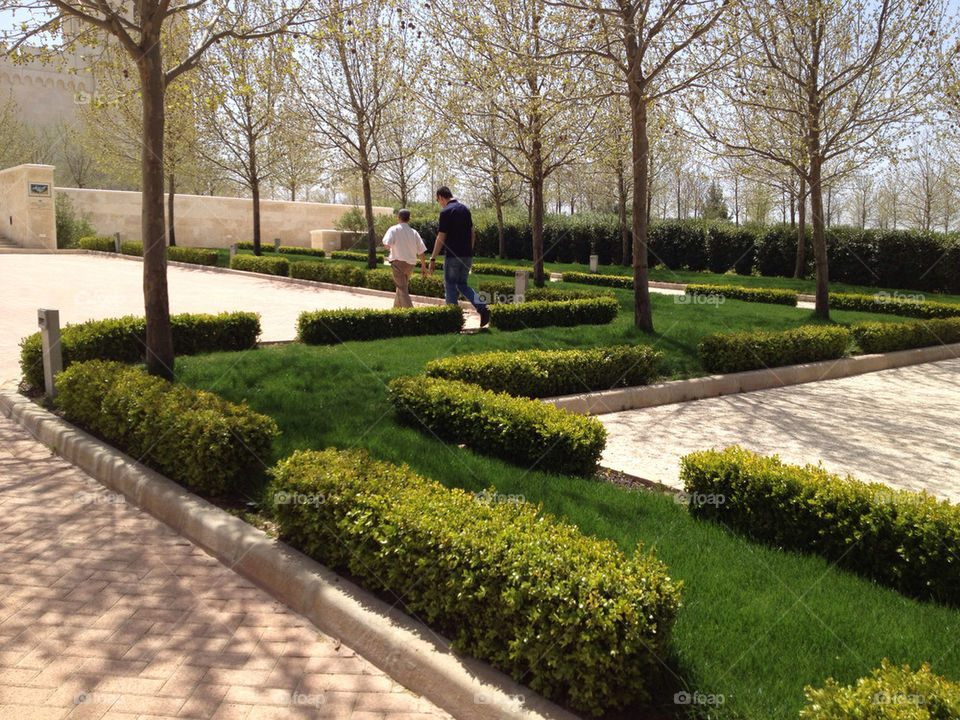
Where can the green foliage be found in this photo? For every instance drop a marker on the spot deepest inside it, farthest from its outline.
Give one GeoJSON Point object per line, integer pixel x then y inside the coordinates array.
{"type": "Point", "coordinates": [355, 256]}
{"type": "Point", "coordinates": [491, 269]}
{"type": "Point", "coordinates": [124, 339]}
{"type": "Point", "coordinates": [890, 693]}
{"type": "Point", "coordinates": [352, 220]}
{"type": "Point", "coordinates": [291, 250]}
{"type": "Point", "coordinates": [544, 373]}
{"type": "Point", "coordinates": [737, 352]}
{"type": "Point", "coordinates": [522, 431]}
{"type": "Point", "coordinates": [192, 436]}
{"type": "Point", "coordinates": [730, 248]}
{"type": "Point", "coordinates": [777, 250]}
{"type": "Point", "coordinates": [567, 614]}
{"type": "Point", "coordinates": [737, 292]}
{"type": "Point", "coordinates": [616, 281]}
{"type": "Point", "coordinates": [884, 302]}
{"type": "Point", "coordinates": [565, 313]}
{"type": "Point", "coordinates": [131, 248]}
{"type": "Point", "coordinates": [268, 265]}
{"type": "Point", "coordinates": [192, 255]}
{"type": "Point", "coordinates": [264, 247]}
{"type": "Point", "coordinates": [678, 245]}
{"type": "Point", "coordinates": [327, 327]}
{"type": "Point", "coordinates": [493, 291]}
{"type": "Point", "coordinates": [880, 337]}
{"type": "Point", "coordinates": [103, 244]}
{"type": "Point", "coordinates": [69, 228]}
{"type": "Point", "coordinates": [336, 273]}
{"type": "Point", "coordinates": [905, 540]}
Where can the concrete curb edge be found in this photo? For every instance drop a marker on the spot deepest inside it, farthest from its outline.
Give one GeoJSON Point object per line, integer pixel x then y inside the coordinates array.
{"type": "Point", "coordinates": [405, 649]}
{"type": "Point", "coordinates": [644, 396]}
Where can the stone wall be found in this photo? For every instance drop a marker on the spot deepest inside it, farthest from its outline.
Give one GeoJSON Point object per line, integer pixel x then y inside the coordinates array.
{"type": "Point", "coordinates": [203, 221]}
{"type": "Point", "coordinates": [28, 218]}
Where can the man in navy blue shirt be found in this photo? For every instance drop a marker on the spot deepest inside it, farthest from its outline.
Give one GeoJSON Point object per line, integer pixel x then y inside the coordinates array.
{"type": "Point", "coordinates": [455, 239]}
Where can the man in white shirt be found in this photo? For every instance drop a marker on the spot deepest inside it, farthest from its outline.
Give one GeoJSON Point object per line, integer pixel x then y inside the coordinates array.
{"type": "Point", "coordinates": [405, 246]}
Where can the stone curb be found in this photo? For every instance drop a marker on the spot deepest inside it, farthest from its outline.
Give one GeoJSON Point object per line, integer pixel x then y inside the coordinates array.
{"type": "Point", "coordinates": [643, 396]}
{"type": "Point", "coordinates": [280, 278]}
{"type": "Point", "coordinates": [405, 649]}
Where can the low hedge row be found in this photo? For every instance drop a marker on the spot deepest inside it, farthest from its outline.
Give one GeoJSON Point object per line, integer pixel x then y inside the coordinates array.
{"type": "Point", "coordinates": [737, 352]}
{"type": "Point", "coordinates": [131, 248]}
{"type": "Point", "coordinates": [497, 291]}
{"type": "Point", "coordinates": [379, 279]}
{"type": "Point", "coordinates": [493, 269]}
{"type": "Point", "coordinates": [327, 327]}
{"type": "Point", "coordinates": [908, 541]}
{"type": "Point", "coordinates": [737, 292]}
{"type": "Point", "coordinates": [519, 430]}
{"type": "Point", "coordinates": [103, 244]}
{"type": "Point", "coordinates": [617, 281]}
{"type": "Point", "coordinates": [291, 250]}
{"type": "Point", "coordinates": [192, 255]}
{"type": "Point", "coordinates": [888, 304]}
{"type": "Point", "coordinates": [194, 437]}
{"type": "Point", "coordinates": [544, 373]}
{"type": "Point", "coordinates": [565, 313]}
{"type": "Point", "coordinates": [123, 340]}
{"type": "Point", "coordinates": [268, 265]}
{"type": "Point", "coordinates": [880, 337]}
{"type": "Point", "coordinates": [890, 693]}
{"type": "Point", "coordinates": [358, 256]}
{"type": "Point", "coordinates": [568, 614]}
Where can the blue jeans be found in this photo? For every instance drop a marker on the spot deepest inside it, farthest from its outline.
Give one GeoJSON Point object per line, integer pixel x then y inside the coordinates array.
{"type": "Point", "coordinates": [455, 273]}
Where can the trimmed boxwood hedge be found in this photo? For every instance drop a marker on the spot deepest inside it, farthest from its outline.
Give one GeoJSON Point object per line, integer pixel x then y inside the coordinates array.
{"type": "Point", "coordinates": [357, 256]}
{"type": "Point", "coordinates": [890, 693]}
{"type": "Point", "coordinates": [192, 255]}
{"type": "Point", "coordinates": [327, 327]}
{"type": "Point", "coordinates": [103, 244]}
{"type": "Point", "coordinates": [264, 247]}
{"type": "Point", "coordinates": [544, 373]}
{"type": "Point", "coordinates": [268, 265]}
{"type": "Point", "coordinates": [884, 302]}
{"type": "Point", "coordinates": [737, 352]}
{"type": "Point", "coordinates": [617, 281]}
{"type": "Point", "coordinates": [880, 337]}
{"type": "Point", "coordinates": [194, 437]}
{"type": "Point", "coordinates": [493, 269]}
{"type": "Point", "coordinates": [519, 430]}
{"type": "Point", "coordinates": [293, 250]}
{"type": "Point", "coordinates": [124, 339]}
{"type": "Point", "coordinates": [568, 614]}
{"type": "Point", "coordinates": [336, 273]}
{"type": "Point", "coordinates": [906, 540]}
{"type": "Point", "coordinates": [131, 248]}
{"type": "Point", "coordinates": [565, 313]}
{"type": "Point", "coordinates": [495, 292]}
{"type": "Point", "coordinates": [736, 292]}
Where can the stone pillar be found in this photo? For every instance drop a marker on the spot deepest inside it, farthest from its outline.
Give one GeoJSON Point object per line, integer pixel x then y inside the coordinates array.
{"type": "Point", "coordinates": [594, 263]}
{"type": "Point", "coordinates": [276, 244]}
{"type": "Point", "coordinates": [116, 241]}
{"type": "Point", "coordinates": [49, 322]}
{"type": "Point", "coordinates": [521, 281]}
{"type": "Point", "coordinates": [26, 206]}
{"type": "Point", "coordinates": [326, 240]}
{"type": "Point", "coordinates": [233, 250]}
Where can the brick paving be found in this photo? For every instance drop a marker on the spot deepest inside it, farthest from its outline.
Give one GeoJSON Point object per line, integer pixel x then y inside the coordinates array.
{"type": "Point", "coordinates": [105, 613]}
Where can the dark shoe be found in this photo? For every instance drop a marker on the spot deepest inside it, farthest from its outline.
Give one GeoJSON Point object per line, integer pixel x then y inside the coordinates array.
{"type": "Point", "coordinates": [484, 316]}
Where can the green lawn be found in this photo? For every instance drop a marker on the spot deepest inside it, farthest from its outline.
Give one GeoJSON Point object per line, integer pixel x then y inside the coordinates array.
{"type": "Point", "coordinates": [757, 624]}
{"type": "Point", "coordinates": [672, 276]}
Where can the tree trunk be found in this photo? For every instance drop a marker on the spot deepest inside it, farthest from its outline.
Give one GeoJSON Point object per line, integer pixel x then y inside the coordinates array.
{"type": "Point", "coordinates": [800, 264]}
{"type": "Point", "coordinates": [255, 190]}
{"type": "Point", "coordinates": [498, 204]}
{"type": "Point", "coordinates": [368, 212]}
{"type": "Point", "coordinates": [622, 214]}
{"type": "Point", "coordinates": [171, 194]}
{"type": "Point", "coordinates": [642, 313]}
{"type": "Point", "coordinates": [536, 225]}
{"type": "Point", "coordinates": [159, 341]}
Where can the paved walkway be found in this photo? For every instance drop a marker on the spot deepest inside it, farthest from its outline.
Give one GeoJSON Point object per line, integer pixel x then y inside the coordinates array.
{"type": "Point", "coordinates": [93, 287]}
{"type": "Point", "coordinates": [898, 426]}
{"type": "Point", "coordinates": [106, 613]}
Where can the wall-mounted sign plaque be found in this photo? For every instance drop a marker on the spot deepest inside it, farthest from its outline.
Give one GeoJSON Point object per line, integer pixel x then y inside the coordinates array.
{"type": "Point", "coordinates": [39, 189]}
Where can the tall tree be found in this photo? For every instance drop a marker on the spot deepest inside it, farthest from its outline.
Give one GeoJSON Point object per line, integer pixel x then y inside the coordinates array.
{"type": "Point", "coordinates": [140, 34]}
{"type": "Point", "coordinates": [833, 79]}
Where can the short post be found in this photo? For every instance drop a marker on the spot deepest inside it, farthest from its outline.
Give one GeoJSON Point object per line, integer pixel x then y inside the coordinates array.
{"type": "Point", "coordinates": [233, 250]}
{"type": "Point", "coordinates": [594, 263]}
{"type": "Point", "coordinates": [116, 241]}
{"type": "Point", "coordinates": [49, 322]}
{"type": "Point", "coordinates": [520, 282]}
{"type": "Point", "coordinates": [276, 244]}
